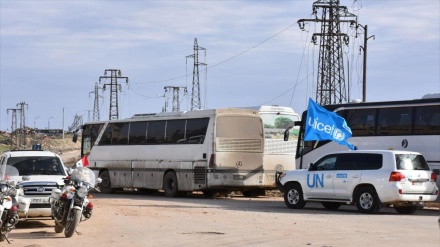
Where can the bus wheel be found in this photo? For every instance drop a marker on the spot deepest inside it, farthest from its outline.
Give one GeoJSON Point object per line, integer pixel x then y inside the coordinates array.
{"type": "Point", "coordinates": [253, 193]}
{"type": "Point", "coordinates": [211, 193]}
{"type": "Point", "coordinates": [105, 186]}
{"type": "Point", "coordinates": [170, 184]}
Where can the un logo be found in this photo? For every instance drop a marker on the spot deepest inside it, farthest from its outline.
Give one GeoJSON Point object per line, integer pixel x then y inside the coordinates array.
{"type": "Point", "coordinates": [338, 135]}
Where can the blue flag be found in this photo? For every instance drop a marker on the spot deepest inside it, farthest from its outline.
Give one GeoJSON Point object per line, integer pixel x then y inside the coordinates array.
{"type": "Point", "coordinates": [322, 124]}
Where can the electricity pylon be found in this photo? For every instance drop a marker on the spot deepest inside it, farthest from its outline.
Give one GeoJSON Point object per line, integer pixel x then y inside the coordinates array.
{"type": "Point", "coordinates": [96, 116]}
{"type": "Point", "coordinates": [115, 75]}
{"type": "Point", "coordinates": [331, 78]}
{"type": "Point", "coordinates": [176, 101]}
{"type": "Point", "coordinates": [195, 93]}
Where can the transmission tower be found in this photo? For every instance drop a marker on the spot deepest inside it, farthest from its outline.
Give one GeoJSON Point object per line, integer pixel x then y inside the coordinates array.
{"type": "Point", "coordinates": [176, 93]}
{"type": "Point", "coordinates": [22, 131]}
{"type": "Point", "coordinates": [96, 117]}
{"type": "Point", "coordinates": [77, 121]}
{"type": "Point", "coordinates": [331, 78]}
{"type": "Point", "coordinates": [195, 93]}
{"type": "Point", "coordinates": [115, 75]}
{"type": "Point", "coordinates": [14, 124]}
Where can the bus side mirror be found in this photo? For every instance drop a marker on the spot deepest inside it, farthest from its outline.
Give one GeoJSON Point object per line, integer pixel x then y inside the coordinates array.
{"type": "Point", "coordinates": [286, 135]}
{"type": "Point", "coordinates": [75, 138]}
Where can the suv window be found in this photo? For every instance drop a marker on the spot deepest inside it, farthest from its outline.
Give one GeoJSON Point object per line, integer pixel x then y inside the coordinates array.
{"type": "Point", "coordinates": [37, 165]}
{"type": "Point", "coordinates": [411, 162]}
{"type": "Point", "coordinates": [326, 163]}
{"type": "Point", "coordinates": [359, 161]}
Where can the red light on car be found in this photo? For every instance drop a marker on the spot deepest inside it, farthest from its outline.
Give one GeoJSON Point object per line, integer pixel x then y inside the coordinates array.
{"type": "Point", "coordinates": [433, 177]}
{"type": "Point", "coordinates": [396, 176]}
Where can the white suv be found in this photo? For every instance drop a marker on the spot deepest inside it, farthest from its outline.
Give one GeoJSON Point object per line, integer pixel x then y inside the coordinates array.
{"type": "Point", "coordinates": [367, 178]}
{"type": "Point", "coordinates": [39, 173]}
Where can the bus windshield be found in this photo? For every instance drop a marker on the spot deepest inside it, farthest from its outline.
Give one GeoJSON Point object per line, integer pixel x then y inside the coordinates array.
{"type": "Point", "coordinates": [276, 123]}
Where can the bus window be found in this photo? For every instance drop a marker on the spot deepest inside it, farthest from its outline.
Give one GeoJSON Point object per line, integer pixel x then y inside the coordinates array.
{"type": "Point", "coordinates": [122, 134]}
{"type": "Point", "coordinates": [175, 131]}
{"type": "Point", "coordinates": [156, 132]}
{"type": "Point", "coordinates": [196, 130]}
{"type": "Point", "coordinates": [361, 121]}
{"type": "Point", "coordinates": [394, 121]}
{"type": "Point", "coordinates": [138, 133]}
{"type": "Point", "coordinates": [427, 120]}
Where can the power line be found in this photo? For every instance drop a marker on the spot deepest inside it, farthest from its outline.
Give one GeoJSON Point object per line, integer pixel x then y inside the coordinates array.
{"type": "Point", "coordinates": [224, 61]}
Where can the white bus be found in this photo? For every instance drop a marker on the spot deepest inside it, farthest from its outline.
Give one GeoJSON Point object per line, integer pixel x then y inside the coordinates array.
{"type": "Point", "coordinates": [212, 151]}
{"type": "Point", "coordinates": [412, 125]}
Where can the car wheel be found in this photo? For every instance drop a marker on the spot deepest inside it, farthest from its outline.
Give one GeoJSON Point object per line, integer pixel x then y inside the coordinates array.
{"type": "Point", "coordinates": [293, 196]}
{"type": "Point", "coordinates": [367, 201]}
{"type": "Point", "coordinates": [405, 209]}
{"type": "Point", "coordinates": [331, 205]}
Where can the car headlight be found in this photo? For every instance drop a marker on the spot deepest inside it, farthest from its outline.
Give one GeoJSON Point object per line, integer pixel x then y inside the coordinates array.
{"type": "Point", "coordinates": [82, 192]}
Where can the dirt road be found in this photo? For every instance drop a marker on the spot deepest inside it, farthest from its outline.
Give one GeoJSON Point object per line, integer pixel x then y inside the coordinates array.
{"type": "Point", "coordinates": [131, 219]}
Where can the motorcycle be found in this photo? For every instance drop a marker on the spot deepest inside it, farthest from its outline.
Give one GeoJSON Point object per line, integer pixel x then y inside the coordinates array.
{"type": "Point", "coordinates": [9, 202]}
{"type": "Point", "coordinates": [71, 204]}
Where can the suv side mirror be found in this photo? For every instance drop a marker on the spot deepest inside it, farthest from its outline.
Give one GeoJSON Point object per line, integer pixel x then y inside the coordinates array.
{"type": "Point", "coordinates": [312, 167]}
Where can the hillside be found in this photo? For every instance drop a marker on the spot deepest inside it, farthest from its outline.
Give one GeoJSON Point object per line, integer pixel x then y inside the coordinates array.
{"type": "Point", "coordinates": [68, 150]}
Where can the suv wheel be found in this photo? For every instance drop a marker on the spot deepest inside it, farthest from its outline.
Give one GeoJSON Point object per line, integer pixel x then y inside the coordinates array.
{"type": "Point", "coordinates": [367, 200]}
{"type": "Point", "coordinates": [293, 196]}
{"type": "Point", "coordinates": [405, 209]}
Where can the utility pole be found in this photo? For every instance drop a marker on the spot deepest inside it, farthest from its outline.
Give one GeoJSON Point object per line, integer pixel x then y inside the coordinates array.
{"type": "Point", "coordinates": [115, 75]}
{"type": "Point", "coordinates": [331, 78]}
{"type": "Point", "coordinates": [96, 116]}
{"type": "Point", "coordinates": [176, 93]}
{"type": "Point", "coordinates": [364, 69]}
{"type": "Point", "coordinates": [195, 93]}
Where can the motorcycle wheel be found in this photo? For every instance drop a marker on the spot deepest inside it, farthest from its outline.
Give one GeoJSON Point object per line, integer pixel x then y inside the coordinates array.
{"type": "Point", "coordinates": [72, 221]}
{"type": "Point", "coordinates": [58, 228]}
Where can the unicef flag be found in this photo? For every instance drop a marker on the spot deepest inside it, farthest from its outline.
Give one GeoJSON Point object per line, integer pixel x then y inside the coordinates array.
{"type": "Point", "coordinates": [322, 124]}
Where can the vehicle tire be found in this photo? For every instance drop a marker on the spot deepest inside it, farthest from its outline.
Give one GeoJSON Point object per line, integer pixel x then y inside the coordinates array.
{"type": "Point", "coordinates": [367, 201]}
{"type": "Point", "coordinates": [147, 191]}
{"type": "Point", "coordinates": [211, 193]}
{"type": "Point", "coordinates": [406, 209]}
{"type": "Point", "coordinates": [72, 222]}
{"type": "Point", "coordinates": [170, 185]}
{"type": "Point", "coordinates": [293, 196]}
{"type": "Point", "coordinates": [331, 205]}
{"type": "Point", "coordinates": [105, 186]}
{"type": "Point", "coordinates": [253, 193]}
{"type": "Point", "coordinates": [58, 228]}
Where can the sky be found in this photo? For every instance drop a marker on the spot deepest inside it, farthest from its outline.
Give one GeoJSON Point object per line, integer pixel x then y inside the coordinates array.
{"type": "Point", "coordinates": [53, 52]}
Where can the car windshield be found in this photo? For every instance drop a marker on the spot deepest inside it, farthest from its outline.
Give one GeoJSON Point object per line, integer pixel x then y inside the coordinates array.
{"type": "Point", "coordinates": [37, 165]}
{"type": "Point", "coordinates": [411, 162]}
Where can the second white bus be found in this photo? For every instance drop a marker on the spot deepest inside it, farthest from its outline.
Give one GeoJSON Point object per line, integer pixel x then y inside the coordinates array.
{"type": "Point", "coordinates": [212, 151]}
